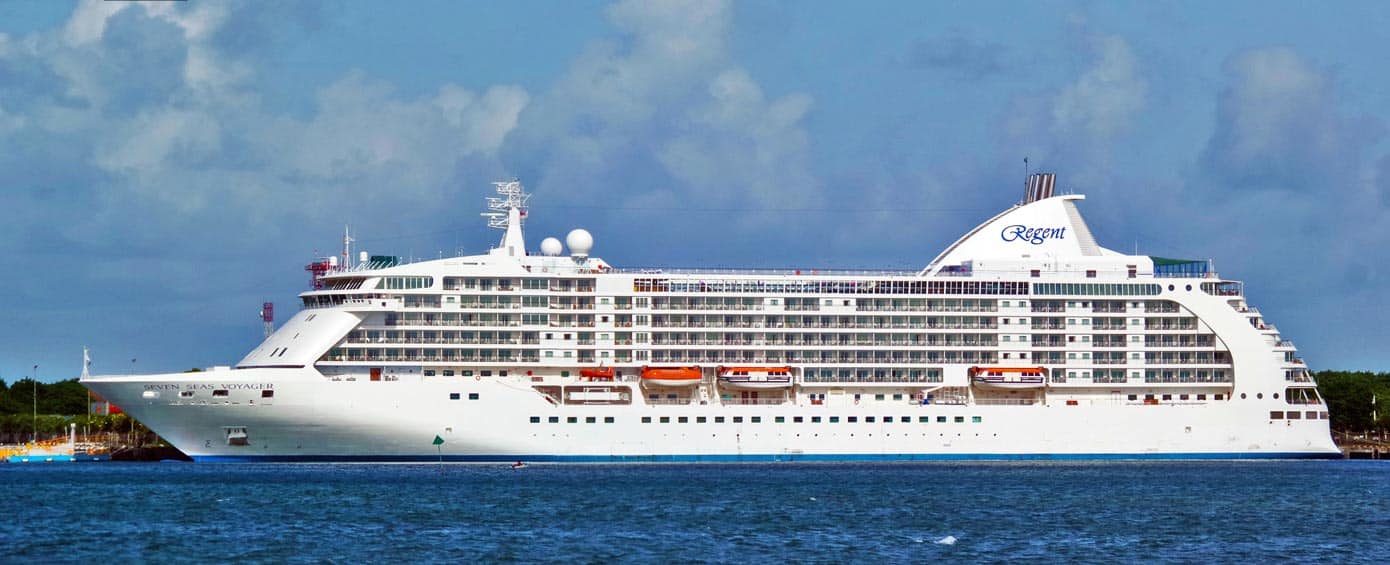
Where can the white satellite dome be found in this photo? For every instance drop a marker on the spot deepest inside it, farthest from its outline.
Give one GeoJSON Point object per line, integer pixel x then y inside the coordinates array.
{"type": "Point", "coordinates": [580, 242]}
{"type": "Point", "coordinates": [551, 247]}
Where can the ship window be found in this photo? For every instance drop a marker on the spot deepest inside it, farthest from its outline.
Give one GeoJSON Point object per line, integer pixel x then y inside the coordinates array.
{"type": "Point", "coordinates": [756, 419]}
{"type": "Point", "coordinates": [501, 373]}
{"type": "Point", "coordinates": [1276, 415]}
{"type": "Point", "coordinates": [468, 373]}
{"type": "Point", "coordinates": [834, 419]}
{"type": "Point", "coordinates": [941, 419]}
{"type": "Point", "coordinates": [1259, 395]}
{"type": "Point", "coordinates": [1218, 397]}
{"type": "Point", "coordinates": [608, 419]}
{"type": "Point", "coordinates": [1294, 415]}
{"type": "Point", "coordinates": [923, 419]}
{"type": "Point", "coordinates": [429, 373]}
{"type": "Point", "coordinates": [553, 419]}
{"type": "Point", "coordinates": [1090, 274]}
{"type": "Point", "coordinates": [665, 419]}
{"type": "Point", "coordinates": [1242, 396]}
{"type": "Point", "coordinates": [738, 419]}
{"type": "Point", "coordinates": [485, 373]}
{"type": "Point", "coordinates": [852, 419]}
{"type": "Point", "coordinates": [646, 419]}
{"type": "Point", "coordinates": [572, 420]}
{"type": "Point", "coordinates": [683, 420]}
{"type": "Point", "coordinates": [1182, 397]}
{"type": "Point", "coordinates": [472, 396]}
{"type": "Point", "coordinates": [267, 394]}
{"type": "Point", "coordinates": [975, 419]}
{"type": "Point", "coordinates": [186, 394]}
{"type": "Point", "coordinates": [878, 397]}
{"type": "Point", "coordinates": [453, 396]}
{"type": "Point", "coordinates": [1201, 397]}
{"type": "Point", "coordinates": [719, 419]}
{"type": "Point", "coordinates": [1167, 397]}
{"type": "Point", "coordinates": [448, 373]}
{"type": "Point", "coordinates": [815, 419]}
{"type": "Point", "coordinates": [780, 420]}
{"type": "Point", "coordinates": [868, 419]}
{"type": "Point", "coordinates": [535, 419]}
{"type": "Point", "coordinates": [590, 420]}
{"type": "Point", "coordinates": [960, 419]}
{"type": "Point", "coordinates": [700, 419]}
{"type": "Point", "coordinates": [795, 419]}
{"type": "Point", "coordinates": [220, 392]}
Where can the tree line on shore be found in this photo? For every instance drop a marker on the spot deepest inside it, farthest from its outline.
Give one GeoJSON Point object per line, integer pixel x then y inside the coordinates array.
{"type": "Point", "coordinates": [59, 404]}
{"type": "Point", "coordinates": [1353, 397]}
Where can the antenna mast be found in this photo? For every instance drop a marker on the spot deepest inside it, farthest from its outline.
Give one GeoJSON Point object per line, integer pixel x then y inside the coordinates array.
{"type": "Point", "coordinates": [507, 212]}
{"type": "Point", "coordinates": [347, 247]}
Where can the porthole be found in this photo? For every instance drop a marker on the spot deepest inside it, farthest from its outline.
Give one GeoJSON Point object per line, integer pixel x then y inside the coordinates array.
{"type": "Point", "coordinates": [1170, 287]}
{"type": "Point", "coordinates": [1242, 396]}
{"type": "Point", "coordinates": [1276, 396]}
{"type": "Point", "coordinates": [1189, 288]}
{"type": "Point", "coordinates": [1260, 395]}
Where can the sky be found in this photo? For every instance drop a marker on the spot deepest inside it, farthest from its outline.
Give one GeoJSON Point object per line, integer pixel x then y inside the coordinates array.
{"type": "Point", "coordinates": [166, 167]}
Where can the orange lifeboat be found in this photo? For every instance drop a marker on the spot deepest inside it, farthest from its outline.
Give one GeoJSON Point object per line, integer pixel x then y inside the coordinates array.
{"type": "Point", "coordinates": [1009, 377]}
{"type": "Point", "coordinates": [755, 377]}
{"type": "Point", "coordinates": [672, 376]}
{"type": "Point", "coordinates": [597, 373]}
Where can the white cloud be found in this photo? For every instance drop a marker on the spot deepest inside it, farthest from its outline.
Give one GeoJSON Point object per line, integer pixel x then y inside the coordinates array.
{"type": "Point", "coordinates": [665, 104]}
{"type": "Point", "coordinates": [88, 21]}
{"type": "Point", "coordinates": [740, 143]}
{"type": "Point", "coordinates": [1278, 126]}
{"type": "Point", "coordinates": [1104, 100]}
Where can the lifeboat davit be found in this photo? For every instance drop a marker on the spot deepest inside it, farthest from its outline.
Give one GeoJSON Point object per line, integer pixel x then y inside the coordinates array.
{"type": "Point", "coordinates": [755, 377]}
{"type": "Point", "coordinates": [597, 373]}
{"type": "Point", "coordinates": [672, 376]}
{"type": "Point", "coordinates": [1009, 377]}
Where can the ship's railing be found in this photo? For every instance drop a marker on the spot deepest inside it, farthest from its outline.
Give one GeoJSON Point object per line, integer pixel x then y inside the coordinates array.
{"type": "Point", "coordinates": [668, 401]}
{"type": "Point", "coordinates": [753, 401]}
{"type": "Point", "coordinates": [783, 272]}
{"type": "Point", "coordinates": [1005, 401]}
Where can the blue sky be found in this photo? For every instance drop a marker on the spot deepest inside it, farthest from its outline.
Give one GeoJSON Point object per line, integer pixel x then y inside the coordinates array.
{"type": "Point", "coordinates": [166, 167]}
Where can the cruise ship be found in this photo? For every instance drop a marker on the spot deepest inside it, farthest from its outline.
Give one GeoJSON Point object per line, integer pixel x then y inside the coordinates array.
{"type": "Point", "coordinates": [1024, 339]}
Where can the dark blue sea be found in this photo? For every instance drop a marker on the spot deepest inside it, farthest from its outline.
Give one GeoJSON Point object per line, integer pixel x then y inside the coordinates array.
{"type": "Point", "coordinates": [1305, 511]}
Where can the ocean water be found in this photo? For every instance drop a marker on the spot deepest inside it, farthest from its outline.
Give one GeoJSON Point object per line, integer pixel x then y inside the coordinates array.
{"type": "Point", "coordinates": [1209, 511]}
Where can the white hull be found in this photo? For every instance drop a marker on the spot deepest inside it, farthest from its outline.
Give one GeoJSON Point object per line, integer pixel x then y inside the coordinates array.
{"type": "Point", "coordinates": [310, 419]}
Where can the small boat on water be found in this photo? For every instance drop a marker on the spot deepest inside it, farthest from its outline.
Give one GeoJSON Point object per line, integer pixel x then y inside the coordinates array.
{"type": "Point", "coordinates": [755, 377]}
{"type": "Point", "coordinates": [1009, 377]}
{"type": "Point", "coordinates": [672, 376]}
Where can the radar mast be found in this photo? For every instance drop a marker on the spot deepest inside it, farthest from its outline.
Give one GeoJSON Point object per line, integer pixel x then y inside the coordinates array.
{"type": "Point", "coordinates": [506, 212]}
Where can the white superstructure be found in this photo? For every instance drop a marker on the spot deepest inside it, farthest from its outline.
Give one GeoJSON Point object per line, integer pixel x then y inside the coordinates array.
{"type": "Point", "coordinates": [1024, 339]}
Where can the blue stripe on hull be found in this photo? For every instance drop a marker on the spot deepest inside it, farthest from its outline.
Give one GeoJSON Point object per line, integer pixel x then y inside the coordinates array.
{"type": "Point", "coordinates": [754, 458]}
